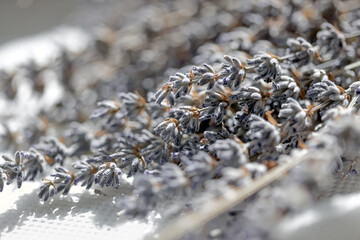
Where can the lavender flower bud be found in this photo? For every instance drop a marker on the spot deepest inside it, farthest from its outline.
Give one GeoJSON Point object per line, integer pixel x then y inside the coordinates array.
{"type": "Point", "coordinates": [156, 151]}
{"type": "Point", "coordinates": [235, 176]}
{"type": "Point", "coordinates": [199, 168]}
{"type": "Point", "coordinates": [265, 135]}
{"type": "Point", "coordinates": [302, 51]}
{"type": "Point", "coordinates": [173, 178]}
{"type": "Point", "coordinates": [108, 175]}
{"type": "Point", "coordinates": [315, 75]}
{"type": "Point", "coordinates": [233, 73]}
{"type": "Point", "coordinates": [79, 139]}
{"type": "Point", "coordinates": [13, 169]}
{"type": "Point", "coordinates": [32, 164]}
{"type": "Point", "coordinates": [230, 152]}
{"type": "Point", "coordinates": [354, 92]}
{"type": "Point", "coordinates": [134, 104]}
{"type": "Point", "coordinates": [148, 195]}
{"type": "Point", "coordinates": [47, 190]}
{"type": "Point", "coordinates": [165, 92]}
{"type": "Point", "coordinates": [285, 88]}
{"type": "Point", "coordinates": [292, 111]}
{"type": "Point", "coordinates": [337, 113]}
{"type": "Point", "coordinates": [330, 40]}
{"type": "Point", "coordinates": [105, 108]}
{"type": "Point", "coordinates": [216, 104]}
{"type": "Point", "coordinates": [346, 130]}
{"type": "Point", "coordinates": [205, 75]}
{"type": "Point", "coordinates": [251, 99]}
{"type": "Point", "coordinates": [188, 118]}
{"type": "Point", "coordinates": [212, 136]}
{"type": "Point", "coordinates": [3, 178]}
{"type": "Point", "coordinates": [266, 66]}
{"type": "Point", "coordinates": [85, 174]}
{"type": "Point", "coordinates": [53, 150]}
{"type": "Point", "coordinates": [327, 91]}
{"type": "Point", "coordinates": [180, 83]}
{"type": "Point", "coordinates": [169, 130]}
{"type": "Point", "coordinates": [63, 179]}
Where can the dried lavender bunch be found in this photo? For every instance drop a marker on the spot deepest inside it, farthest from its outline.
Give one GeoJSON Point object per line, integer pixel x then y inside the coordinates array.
{"type": "Point", "coordinates": [217, 125]}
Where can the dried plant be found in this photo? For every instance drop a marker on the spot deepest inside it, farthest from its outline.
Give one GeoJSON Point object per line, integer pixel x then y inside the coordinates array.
{"type": "Point", "coordinates": [283, 86]}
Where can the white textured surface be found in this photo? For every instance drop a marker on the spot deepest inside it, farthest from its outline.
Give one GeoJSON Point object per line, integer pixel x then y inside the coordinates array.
{"type": "Point", "coordinates": [335, 216]}
{"type": "Point", "coordinates": [334, 219]}
{"type": "Point", "coordinates": [81, 215]}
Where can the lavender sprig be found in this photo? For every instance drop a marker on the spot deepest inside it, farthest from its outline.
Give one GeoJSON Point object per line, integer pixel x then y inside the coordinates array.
{"type": "Point", "coordinates": [267, 66]}
{"type": "Point", "coordinates": [108, 175]}
{"type": "Point", "coordinates": [14, 169]}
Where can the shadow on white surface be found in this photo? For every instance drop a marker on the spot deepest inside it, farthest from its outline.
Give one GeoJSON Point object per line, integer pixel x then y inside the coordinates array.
{"type": "Point", "coordinates": [82, 214]}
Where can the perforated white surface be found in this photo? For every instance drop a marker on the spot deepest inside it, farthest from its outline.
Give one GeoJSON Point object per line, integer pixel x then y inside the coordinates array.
{"type": "Point", "coordinates": [81, 215]}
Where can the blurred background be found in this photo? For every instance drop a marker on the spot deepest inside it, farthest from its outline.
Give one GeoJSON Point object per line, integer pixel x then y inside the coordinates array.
{"type": "Point", "coordinates": [21, 18]}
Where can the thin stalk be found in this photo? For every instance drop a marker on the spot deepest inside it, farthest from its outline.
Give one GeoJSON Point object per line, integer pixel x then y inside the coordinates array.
{"type": "Point", "coordinates": [353, 101]}
{"type": "Point", "coordinates": [294, 54]}
{"type": "Point", "coordinates": [334, 63]}
{"type": "Point", "coordinates": [352, 65]}
{"type": "Point", "coordinates": [352, 35]}
{"type": "Point", "coordinates": [189, 222]}
{"type": "Point", "coordinates": [327, 64]}
{"type": "Point", "coordinates": [320, 106]}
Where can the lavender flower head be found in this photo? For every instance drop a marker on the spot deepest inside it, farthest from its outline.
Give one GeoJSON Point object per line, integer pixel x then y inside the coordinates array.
{"type": "Point", "coordinates": [108, 175]}
{"type": "Point", "coordinates": [266, 65]}
{"type": "Point", "coordinates": [230, 152]}
{"type": "Point", "coordinates": [13, 168]}
{"type": "Point", "coordinates": [233, 73]}
{"type": "Point", "coordinates": [169, 130]}
{"type": "Point", "coordinates": [302, 51]}
{"type": "Point", "coordinates": [298, 117]}
{"type": "Point", "coordinates": [264, 134]}
{"type": "Point", "coordinates": [330, 40]}
{"type": "Point", "coordinates": [327, 92]}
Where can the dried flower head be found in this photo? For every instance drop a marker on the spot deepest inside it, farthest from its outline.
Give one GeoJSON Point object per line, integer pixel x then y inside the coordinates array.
{"type": "Point", "coordinates": [108, 175]}
{"type": "Point", "coordinates": [330, 40]}
{"type": "Point", "coordinates": [13, 168]}
{"type": "Point", "coordinates": [266, 65]}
